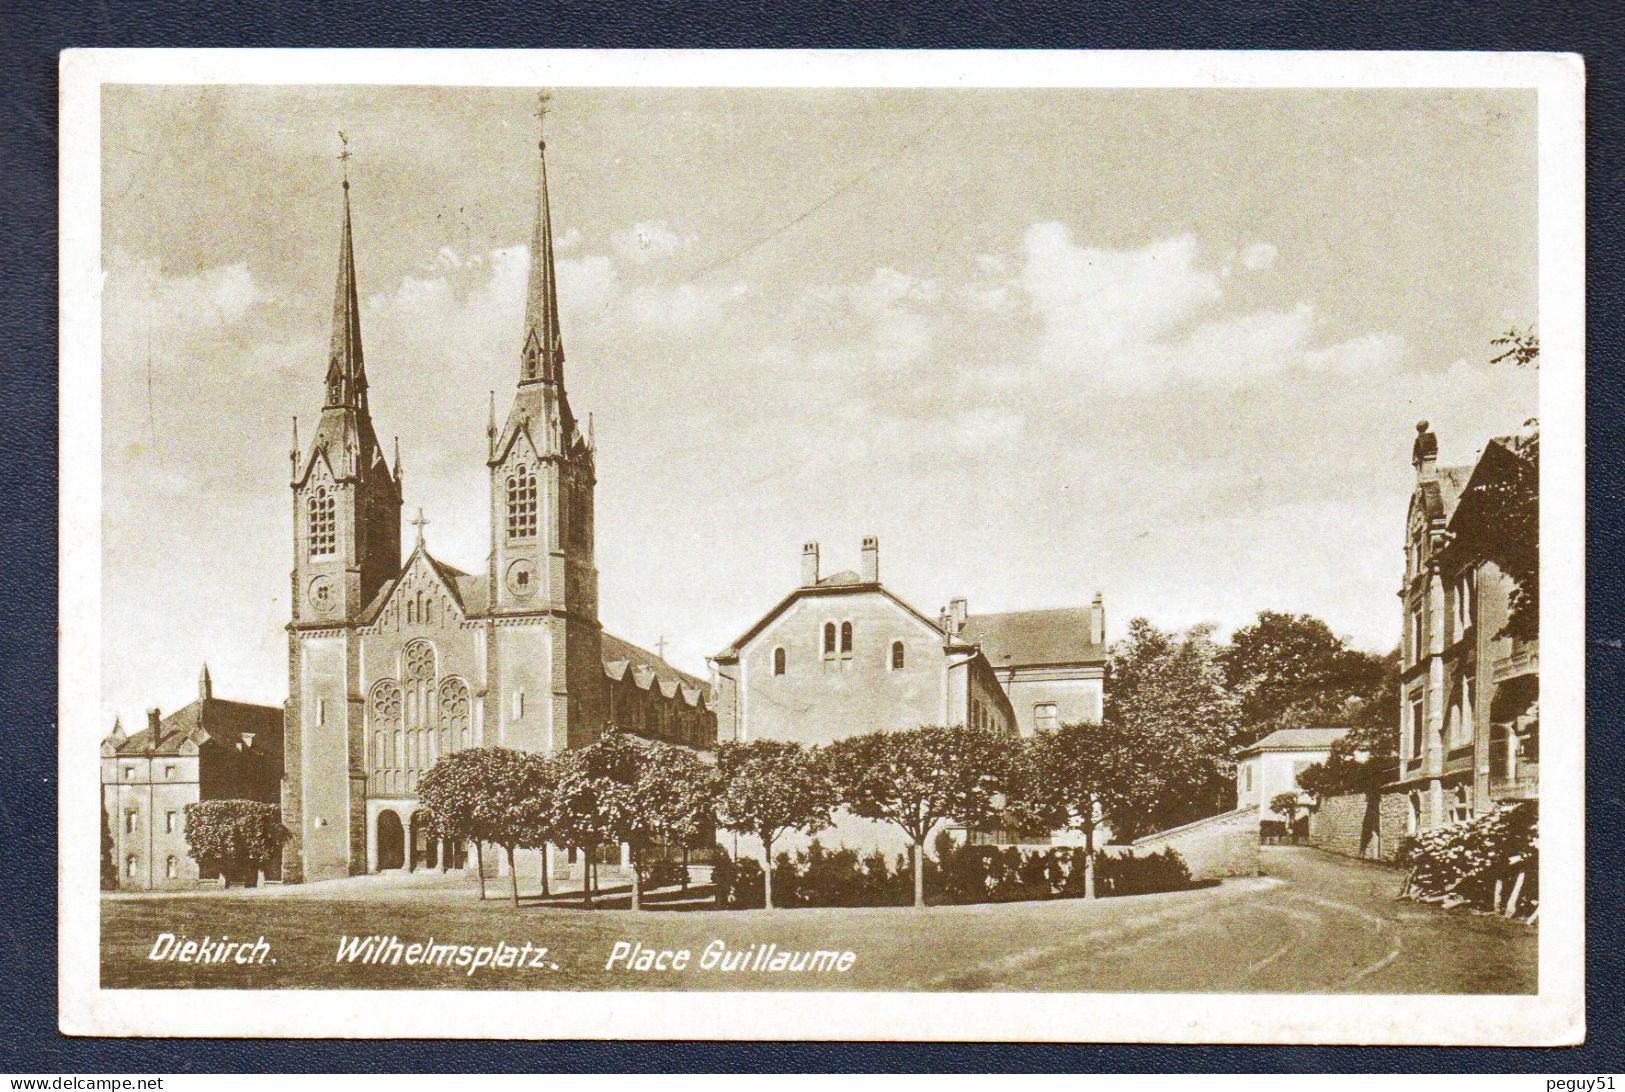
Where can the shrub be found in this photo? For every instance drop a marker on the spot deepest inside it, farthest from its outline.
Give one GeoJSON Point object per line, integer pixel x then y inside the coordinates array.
{"type": "Point", "coordinates": [663, 873]}
{"type": "Point", "coordinates": [1126, 874]}
{"type": "Point", "coordinates": [982, 873]}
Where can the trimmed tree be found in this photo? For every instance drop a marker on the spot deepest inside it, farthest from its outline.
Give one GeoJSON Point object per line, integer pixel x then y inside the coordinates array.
{"type": "Point", "coordinates": [1287, 804]}
{"type": "Point", "coordinates": [579, 813]}
{"type": "Point", "coordinates": [234, 835]}
{"type": "Point", "coordinates": [676, 793]}
{"type": "Point", "coordinates": [1075, 778]}
{"type": "Point", "coordinates": [920, 778]}
{"type": "Point", "coordinates": [468, 796]}
{"type": "Point", "coordinates": [769, 788]}
{"type": "Point", "coordinates": [533, 817]}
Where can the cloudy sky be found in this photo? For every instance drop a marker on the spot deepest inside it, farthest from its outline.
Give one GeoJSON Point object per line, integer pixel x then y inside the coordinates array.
{"type": "Point", "coordinates": [1170, 345]}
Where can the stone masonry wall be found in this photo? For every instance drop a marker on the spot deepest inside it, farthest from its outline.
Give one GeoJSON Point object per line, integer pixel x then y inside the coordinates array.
{"type": "Point", "coordinates": [1355, 825]}
{"type": "Point", "coordinates": [1214, 848]}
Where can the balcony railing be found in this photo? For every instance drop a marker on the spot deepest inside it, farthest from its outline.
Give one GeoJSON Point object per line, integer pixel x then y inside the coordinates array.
{"type": "Point", "coordinates": [1523, 660]}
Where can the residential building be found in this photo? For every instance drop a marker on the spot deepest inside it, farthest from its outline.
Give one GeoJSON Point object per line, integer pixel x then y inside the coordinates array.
{"type": "Point", "coordinates": [211, 749]}
{"type": "Point", "coordinates": [1469, 689]}
{"type": "Point", "coordinates": [842, 654]}
{"type": "Point", "coordinates": [1272, 765]}
{"type": "Point", "coordinates": [1051, 663]}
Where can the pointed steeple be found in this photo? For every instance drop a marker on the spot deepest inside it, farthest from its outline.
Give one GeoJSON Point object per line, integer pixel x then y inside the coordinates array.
{"type": "Point", "coordinates": [205, 686]}
{"type": "Point", "coordinates": [542, 358]}
{"type": "Point", "coordinates": [346, 373]}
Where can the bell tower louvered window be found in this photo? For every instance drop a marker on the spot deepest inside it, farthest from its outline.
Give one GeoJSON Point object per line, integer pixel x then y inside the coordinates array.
{"type": "Point", "coordinates": [521, 505]}
{"type": "Point", "coordinates": [322, 525]}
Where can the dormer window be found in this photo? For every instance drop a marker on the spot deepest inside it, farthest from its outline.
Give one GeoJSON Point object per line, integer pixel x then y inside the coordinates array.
{"type": "Point", "coordinates": [322, 523]}
{"type": "Point", "coordinates": [521, 505]}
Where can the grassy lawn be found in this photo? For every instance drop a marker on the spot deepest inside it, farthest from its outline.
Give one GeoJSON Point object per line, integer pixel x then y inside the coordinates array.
{"type": "Point", "coordinates": [893, 947]}
{"type": "Point", "coordinates": [1315, 924]}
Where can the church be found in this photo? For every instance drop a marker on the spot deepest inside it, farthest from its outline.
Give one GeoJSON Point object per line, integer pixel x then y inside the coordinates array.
{"type": "Point", "coordinates": [392, 664]}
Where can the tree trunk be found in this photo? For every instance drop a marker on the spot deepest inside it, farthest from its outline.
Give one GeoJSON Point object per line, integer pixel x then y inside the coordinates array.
{"type": "Point", "coordinates": [1089, 861]}
{"type": "Point", "coordinates": [586, 876]}
{"type": "Point", "coordinates": [919, 874]}
{"type": "Point", "coordinates": [637, 879]}
{"type": "Point", "coordinates": [479, 857]}
{"type": "Point", "coordinates": [767, 872]}
{"type": "Point", "coordinates": [513, 877]}
{"type": "Point", "coordinates": [545, 891]}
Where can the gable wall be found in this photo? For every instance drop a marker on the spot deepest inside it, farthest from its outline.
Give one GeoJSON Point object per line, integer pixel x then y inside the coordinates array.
{"type": "Point", "coordinates": [820, 699]}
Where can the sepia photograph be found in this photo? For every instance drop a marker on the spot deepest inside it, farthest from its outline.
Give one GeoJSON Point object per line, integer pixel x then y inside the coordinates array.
{"type": "Point", "coordinates": [1057, 543]}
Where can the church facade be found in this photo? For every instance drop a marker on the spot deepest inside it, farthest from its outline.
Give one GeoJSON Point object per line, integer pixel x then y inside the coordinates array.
{"type": "Point", "coordinates": [392, 664]}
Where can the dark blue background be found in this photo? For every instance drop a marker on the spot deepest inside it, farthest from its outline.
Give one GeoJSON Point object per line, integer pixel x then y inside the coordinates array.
{"type": "Point", "coordinates": [33, 31]}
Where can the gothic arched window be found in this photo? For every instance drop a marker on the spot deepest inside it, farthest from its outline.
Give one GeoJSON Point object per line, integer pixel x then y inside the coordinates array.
{"type": "Point", "coordinates": [778, 661]}
{"type": "Point", "coordinates": [897, 655]}
{"type": "Point", "coordinates": [322, 524]}
{"type": "Point", "coordinates": [846, 637]}
{"type": "Point", "coordinates": [521, 504]}
{"type": "Point", "coordinates": [453, 714]}
{"type": "Point", "coordinates": [829, 638]}
{"type": "Point", "coordinates": [386, 716]}
{"type": "Point", "coordinates": [417, 672]}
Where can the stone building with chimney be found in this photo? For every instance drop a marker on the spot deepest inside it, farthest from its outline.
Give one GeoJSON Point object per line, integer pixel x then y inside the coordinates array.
{"type": "Point", "coordinates": [211, 749]}
{"type": "Point", "coordinates": [1469, 716]}
{"type": "Point", "coordinates": [841, 654]}
{"type": "Point", "coordinates": [393, 664]}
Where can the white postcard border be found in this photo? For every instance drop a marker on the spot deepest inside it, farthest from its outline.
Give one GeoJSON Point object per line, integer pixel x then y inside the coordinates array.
{"type": "Point", "coordinates": [1553, 1017]}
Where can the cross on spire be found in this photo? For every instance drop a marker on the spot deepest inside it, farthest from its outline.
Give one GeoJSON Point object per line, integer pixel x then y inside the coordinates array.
{"type": "Point", "coordinates": [344, 157]}
{"type": "Point", "coordinates": [420, 523]}
{"type": "Point", "coordinates": [544, 101]}
{"type": "Point", "coordinates": [542, 355]}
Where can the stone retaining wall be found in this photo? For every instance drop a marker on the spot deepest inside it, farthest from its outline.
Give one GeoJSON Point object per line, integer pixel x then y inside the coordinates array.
{"type": "Point", "coordinates": [1213, 848]}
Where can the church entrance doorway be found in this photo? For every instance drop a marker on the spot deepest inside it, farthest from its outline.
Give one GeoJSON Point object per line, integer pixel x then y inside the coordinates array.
{"type": "Point", "coordinates": [425, 850]}
{"type": "Point", "coordinates": [391, 841]}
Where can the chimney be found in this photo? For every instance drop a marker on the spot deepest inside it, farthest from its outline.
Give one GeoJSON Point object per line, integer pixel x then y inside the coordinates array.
{"type": "Point", "coordinates": [809, 564]}
{"type": "Point", "coordinates": [152, 728]}
{"type": "Point", "coordinates": [870, 570]}
{"type": "Point", "coordinates": [1097, 621]}
{"type": "Point", "coordinates": [1424, 452]}
{"type": "Point", "coordinates": [205, 688]}
{"type": "Point", "coordinates": [956, 616]}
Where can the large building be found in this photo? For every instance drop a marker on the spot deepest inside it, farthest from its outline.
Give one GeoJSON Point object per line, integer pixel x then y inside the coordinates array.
{"type": "Point", "coordinates": [842, 654]}
{"type": "Point", "coordinates": [392, 665]}
{"type": "Point", "coordinates": [212, 749]}
{"type": "Point", "coordinates": [1469, 689]}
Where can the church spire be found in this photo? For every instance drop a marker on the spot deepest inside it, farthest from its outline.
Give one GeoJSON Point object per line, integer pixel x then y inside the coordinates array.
{"type": "Point", "coordinates": [346, 374]}
{"type": "Point", "coordinates": [542, 359]}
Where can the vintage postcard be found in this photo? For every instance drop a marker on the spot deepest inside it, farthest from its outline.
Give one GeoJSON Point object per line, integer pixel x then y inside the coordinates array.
{"type": "Point", "coordinates": [1037, 546]}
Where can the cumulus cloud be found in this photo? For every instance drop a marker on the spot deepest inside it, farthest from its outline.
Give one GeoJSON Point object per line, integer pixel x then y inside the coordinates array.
{"type": "Point", "coordinates": [1092, 301]}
